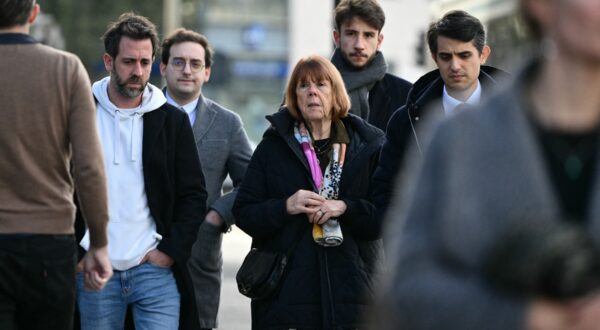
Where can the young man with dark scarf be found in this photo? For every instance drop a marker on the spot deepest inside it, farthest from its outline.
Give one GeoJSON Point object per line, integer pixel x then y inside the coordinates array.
{"type": "Point", "coordinates": [374, 93]}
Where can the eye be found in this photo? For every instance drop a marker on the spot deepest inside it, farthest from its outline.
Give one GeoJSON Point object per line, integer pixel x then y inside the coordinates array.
{"type": "Point", "coordinates": [465, 55]}
{"type": "Point", "coordinates": [197, 65]}
{"type": "Point", "coordinates": [445, 57]}
{"type": "Point", "coordinates": [178, 63]}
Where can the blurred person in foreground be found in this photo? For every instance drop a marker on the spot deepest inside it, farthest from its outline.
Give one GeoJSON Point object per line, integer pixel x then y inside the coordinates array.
{"type": "Point", "coordinates": [457, 43]}
{"type": "Point", "coordinates": [311, 171]}
{"type": "Point", "coordinates": [374, 93]}
{"type": "Point", "coordinates": [48, 146]}
{"type": "Point", "coordinates": [530, 150]}
{"type": "Point", "coordinates": [155, 189]}
{"type": "Point", "coordinates": [223, 148]}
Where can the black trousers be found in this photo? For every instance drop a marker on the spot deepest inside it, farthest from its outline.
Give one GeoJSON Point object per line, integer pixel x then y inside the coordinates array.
{"type": "Point", "coordinates": [37, 282]}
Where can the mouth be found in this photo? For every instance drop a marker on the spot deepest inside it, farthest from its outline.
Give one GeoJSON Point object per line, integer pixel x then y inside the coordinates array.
{"type": "Point", "coordinates": [359, 55]}
{"type": "Point", "coordinates": [313, 105]}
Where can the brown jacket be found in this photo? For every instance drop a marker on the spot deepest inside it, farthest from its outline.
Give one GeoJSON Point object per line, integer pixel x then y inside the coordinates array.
{"type": "Point", "coordinates": [48, 142]}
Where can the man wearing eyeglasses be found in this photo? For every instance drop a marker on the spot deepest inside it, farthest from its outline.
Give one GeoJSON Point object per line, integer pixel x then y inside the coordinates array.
{"type": "Point", "coordinates": [223, 147]}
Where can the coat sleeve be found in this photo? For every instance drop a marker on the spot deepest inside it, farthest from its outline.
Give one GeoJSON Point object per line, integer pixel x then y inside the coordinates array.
{"type": "Point", "coordinates": [258, 212]}
{"type": "Point", "coordinates": [360, 215]}
{"type": "Point", "coordinates": [237, 162]}
{"type": "Point", "coordinates": [426, 287]}
{"type": "Point", "coordinates": [190, 195]}
{"type": "Point", "coordinates": [398, 135]}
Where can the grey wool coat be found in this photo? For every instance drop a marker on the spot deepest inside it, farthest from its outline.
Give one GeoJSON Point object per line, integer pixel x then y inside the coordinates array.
{"type": "Point", "coordinates": [224, 148]}
{"type": "Point", "coordinates": [483, 171]}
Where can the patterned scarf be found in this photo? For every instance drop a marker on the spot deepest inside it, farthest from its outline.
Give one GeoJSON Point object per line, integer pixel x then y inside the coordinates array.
{"type": "Point", "coordinates": [330, 233]}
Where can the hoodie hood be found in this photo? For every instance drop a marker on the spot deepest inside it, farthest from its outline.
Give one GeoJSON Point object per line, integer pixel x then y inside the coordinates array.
{"type": "Point", "coordinates": [128, 121]}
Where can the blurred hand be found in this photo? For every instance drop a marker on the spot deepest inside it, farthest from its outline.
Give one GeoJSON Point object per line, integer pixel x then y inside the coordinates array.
{"type": "Point", "coordinates": [544, 314]}
{"type": "Point", "coordinates": [587, 313]}
{"type": "Point", "coordinates": [214, 218]}
{"type": "Point", "coordinates": [329, 209]}
{"type": "Point", "coordinates": [158, 258]}
{"type": "Point", "coordinates": [304, 201]}
{"type": "Point", "coordinates": [97, 268]}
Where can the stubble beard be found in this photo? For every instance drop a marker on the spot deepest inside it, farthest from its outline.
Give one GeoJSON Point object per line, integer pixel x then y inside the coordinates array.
{"type": "Point", "coordinates": [122, 85]}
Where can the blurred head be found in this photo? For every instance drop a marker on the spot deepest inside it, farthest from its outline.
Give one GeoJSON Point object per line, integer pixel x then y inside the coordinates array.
{"type": "Point", "coordinates": [572, 25]}
{"type": "Point", "coordinates": [316, 91]}
{"type": "Point", "coordinates": [457, 45]}
{"type": "Point", "coordinates": [358, 26]}
{"type": "Point", "coordinates": [17, 12]}
{"type": "Point", "coordinates": [130, 44]}
{"type": "Point", "coordinates": [185, 63]}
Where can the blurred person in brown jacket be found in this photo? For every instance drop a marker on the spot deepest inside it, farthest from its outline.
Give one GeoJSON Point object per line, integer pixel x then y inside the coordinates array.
{"type": "Point", "coordinates": [530, 150]}
{"type": "Point", "coordinates": [49, 146]}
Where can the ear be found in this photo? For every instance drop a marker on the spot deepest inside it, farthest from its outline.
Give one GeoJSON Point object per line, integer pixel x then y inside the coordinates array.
{"type": "Point", "coordinates": [207, 74]}
{"type": "Point", "coordinates": [336, 38]}
{"type": "Point", "coordinates": [163, 69]}
{"type": "Point", "coordinates": [108, 62]}
{"type": "Point", "coordinates": [379, 40]}
{"type": "Point", "coordinates": [485, 53]}
{"type": "Point", "coordinates": [433, 57]}
{"type": "Point", "coordinates": [34, 13]}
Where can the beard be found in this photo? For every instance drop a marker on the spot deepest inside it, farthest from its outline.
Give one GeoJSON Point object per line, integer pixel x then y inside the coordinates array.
{"type": "Point", "coordinates": [122, 84]}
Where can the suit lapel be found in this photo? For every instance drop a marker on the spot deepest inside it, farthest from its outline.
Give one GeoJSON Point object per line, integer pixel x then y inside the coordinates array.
{"type": "Point", "coordinates": [205, 117]}
{"type": "Point", "coordinates": [153, 123]}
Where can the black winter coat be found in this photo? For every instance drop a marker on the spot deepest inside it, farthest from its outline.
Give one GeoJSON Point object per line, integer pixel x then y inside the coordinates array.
{"type": "Point", "coordinates": [325, 287]}
{"type": "Point", "coordinates": [403, 130]}
{"type": "Point", "coordinates": [386, 96]}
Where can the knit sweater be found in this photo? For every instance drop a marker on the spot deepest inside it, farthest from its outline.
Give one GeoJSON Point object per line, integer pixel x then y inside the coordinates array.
{"type": "Point", "coordinates": [48, 142]}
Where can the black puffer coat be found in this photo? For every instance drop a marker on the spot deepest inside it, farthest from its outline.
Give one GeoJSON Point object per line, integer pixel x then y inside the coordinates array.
{"type": "Point", "coordinates": [325, 287]}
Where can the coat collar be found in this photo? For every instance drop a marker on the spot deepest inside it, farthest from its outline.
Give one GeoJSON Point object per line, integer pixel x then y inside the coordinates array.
{"type": "Point", "coordinates": [205, 118]}
{"type": "Point", "coordinates": [16, 38]}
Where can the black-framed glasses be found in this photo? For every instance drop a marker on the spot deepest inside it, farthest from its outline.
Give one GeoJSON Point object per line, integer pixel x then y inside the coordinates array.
{"type": "Point", "coordinates": [180, 63]}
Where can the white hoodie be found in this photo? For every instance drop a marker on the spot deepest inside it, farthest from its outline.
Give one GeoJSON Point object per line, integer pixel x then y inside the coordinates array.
{"type": "Point", "coordinates": [131, 228]}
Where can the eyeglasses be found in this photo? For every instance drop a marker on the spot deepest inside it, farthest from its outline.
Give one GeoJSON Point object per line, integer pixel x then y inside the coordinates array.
{"type": "Point", "coordinates": [195, 65]}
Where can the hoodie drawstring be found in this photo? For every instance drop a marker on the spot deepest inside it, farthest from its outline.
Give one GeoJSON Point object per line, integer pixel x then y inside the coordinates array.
{"type": "Point", "coordinates": [117, 139]}
{"type": "Point", "coordinates": [134, 137]}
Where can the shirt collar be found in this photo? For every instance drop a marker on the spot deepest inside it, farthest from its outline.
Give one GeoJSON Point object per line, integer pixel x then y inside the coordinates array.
{"type": "Point", "coordinates": [450, 103]}
{"type": "Point", "coordinates": [189, 108]}
{"type": "Point", "coordinates": [16, 38]}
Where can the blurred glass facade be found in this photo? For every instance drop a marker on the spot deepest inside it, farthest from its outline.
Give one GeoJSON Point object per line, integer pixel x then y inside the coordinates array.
{"type": "Point", "coordinates": [250, 39]}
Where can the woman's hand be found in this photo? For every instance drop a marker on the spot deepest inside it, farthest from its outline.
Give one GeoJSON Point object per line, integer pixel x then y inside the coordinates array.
{"type": "Point", "coordinates": [304, 201]}
{"type": "Point", "coordinates": [329, 209]}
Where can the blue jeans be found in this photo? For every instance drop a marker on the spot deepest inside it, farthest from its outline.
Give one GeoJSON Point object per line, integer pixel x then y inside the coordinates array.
{"type": "Point", "coordinates": [151, 291]}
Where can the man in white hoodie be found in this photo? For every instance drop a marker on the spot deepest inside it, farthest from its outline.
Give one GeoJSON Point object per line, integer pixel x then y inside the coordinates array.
{"type": "Point", "coordinates": [156, 193]}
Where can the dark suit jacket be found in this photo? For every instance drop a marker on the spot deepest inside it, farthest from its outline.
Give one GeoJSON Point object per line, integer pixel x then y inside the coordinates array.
{"type": "Point", "coordinates": [176, 195]}
{"type": "Point", "coordinates": [386, 96]}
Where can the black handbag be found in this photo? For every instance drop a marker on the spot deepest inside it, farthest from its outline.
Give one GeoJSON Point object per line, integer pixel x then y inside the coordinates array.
{"type": "Point", "coordinates": [262, 272]}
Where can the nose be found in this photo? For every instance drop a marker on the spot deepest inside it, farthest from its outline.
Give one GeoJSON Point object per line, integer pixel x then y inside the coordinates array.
{"type": "Point", "coordinates": [359, 43]}
{"type": "Point", "coordinates": [138, 69]}
{"type": "Point", "coordinates": [455, 64]}
{"type": "Point", "coordinates": [187, 67]}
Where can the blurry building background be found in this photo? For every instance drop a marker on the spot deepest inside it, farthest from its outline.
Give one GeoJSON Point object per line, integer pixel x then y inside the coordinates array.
{"type": "Point", "coordinates": [256, 42]}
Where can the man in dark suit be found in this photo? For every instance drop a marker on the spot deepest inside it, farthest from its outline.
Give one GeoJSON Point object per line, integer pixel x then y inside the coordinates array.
{"type": "Point", "coordinates": [458, 47]}
{"type": "Point", "coordinates": [156, 193]}
{"type": "Point", "coordinates": [374, 93]}
{"type": "Point", "coordinates": [224, 149]}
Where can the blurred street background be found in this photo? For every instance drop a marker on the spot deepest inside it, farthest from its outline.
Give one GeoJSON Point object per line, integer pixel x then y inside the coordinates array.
{"type": "Point", "coordinates": [257, 41]}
